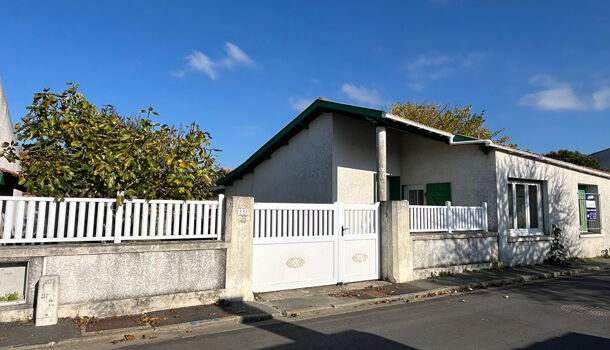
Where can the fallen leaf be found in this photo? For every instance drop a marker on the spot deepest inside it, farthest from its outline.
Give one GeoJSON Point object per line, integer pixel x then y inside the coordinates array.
{"type": "Point", "coordinates": [212, 314]}
{"type": "Point", "coordinates": [276, 306]}
{"type": "Point", "coordinates": [295, 314]}
{"type": "Point", "coordinates": [464, 301]}
{"type": "Point", "coordinates": [99, 332]}
{"type": "Point", "coordinates": [129, 337]}
{"type": "Point", "coordinates": [145, 335]}
{"type": "Point", "coordinates": [176, 316]}
{"type": "Point", "coordinates": [3, 338]}
{"type": "Point", "coordinates": [117, 341]}
{"type": "Point", "coordinates": [506, 297]}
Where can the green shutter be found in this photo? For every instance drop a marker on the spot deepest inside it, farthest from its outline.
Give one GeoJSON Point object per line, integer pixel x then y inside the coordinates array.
{"type": "Point", "coordinates": [1, 178]}
{"type": "Point", "coordinates": [582, 204]}
{"type": "Point", "coordinates": [438, 193]}
{"type": "Point", "coordinates": [394, 182]}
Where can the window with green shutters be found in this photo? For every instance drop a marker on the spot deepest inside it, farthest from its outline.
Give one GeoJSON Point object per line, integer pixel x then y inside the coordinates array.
{"type": "Point", "coordinates": [438, 193]}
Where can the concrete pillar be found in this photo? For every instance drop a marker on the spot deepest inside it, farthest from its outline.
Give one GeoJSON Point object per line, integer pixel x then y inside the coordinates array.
{"type": "Point", "coordinates": [238, 232]}
{"type": "Point", "coordinates": [396, 243]}
{"type": "Point", "coordinates": [382, 186]}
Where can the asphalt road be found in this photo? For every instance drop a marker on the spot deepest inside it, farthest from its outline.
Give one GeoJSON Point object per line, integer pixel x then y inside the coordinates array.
{"type": "Point", "coordinates": [530, 318]}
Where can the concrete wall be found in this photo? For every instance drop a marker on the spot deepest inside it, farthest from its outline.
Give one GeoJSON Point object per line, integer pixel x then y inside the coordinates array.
{"type": "Point", "coordinates": [107, 280]}
{"type": "Point", "coordinates": [299, 172]}
{"type": "Point", "coordinates": [560, 186]}
{"type": "Point", "coordinates": [355, 159]}
{"type": "Point", "coordinates": [452, 252]}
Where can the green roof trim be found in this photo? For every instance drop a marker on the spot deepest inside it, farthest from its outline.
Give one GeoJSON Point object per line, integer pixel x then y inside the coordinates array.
{"type": "Point", "coordinates": [300, 122]}
{"type": "Point", "coordinates": [460, 138]}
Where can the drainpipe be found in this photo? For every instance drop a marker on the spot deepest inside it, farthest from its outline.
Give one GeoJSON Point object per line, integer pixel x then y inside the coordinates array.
{"type": "Point", "coordinates": [382, 186]}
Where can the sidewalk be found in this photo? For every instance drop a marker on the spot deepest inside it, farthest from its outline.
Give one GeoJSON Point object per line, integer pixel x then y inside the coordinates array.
{"type": "Point", "coordinates": [291, 303]}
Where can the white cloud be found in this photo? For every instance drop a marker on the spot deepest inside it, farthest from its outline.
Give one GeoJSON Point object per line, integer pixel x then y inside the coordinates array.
{"type": "Point", "coordinates": [556, 96]}
{"type": "Point", "coordinates": [300, 104]}
{"type": "Point", "coordinates": [601, 99]}
{"type": "Point", "coordinates": [199, 62]}
{"type": "Point", "coordinates": [361, 94]}
{"type": "Point", "coordinates": [429, 68]}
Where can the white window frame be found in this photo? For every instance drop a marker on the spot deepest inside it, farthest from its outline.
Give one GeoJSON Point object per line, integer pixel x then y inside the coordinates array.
{"type": "Point", "coordinates": [528, 230]}
{"type": "Point", "coordinates": [415, 188]}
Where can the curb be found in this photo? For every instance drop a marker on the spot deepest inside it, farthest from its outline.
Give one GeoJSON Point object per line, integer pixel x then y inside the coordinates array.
{"type": "Point", "coordinates": [110, 335]}
{"type": "Point", "coordinates": [443, 291]}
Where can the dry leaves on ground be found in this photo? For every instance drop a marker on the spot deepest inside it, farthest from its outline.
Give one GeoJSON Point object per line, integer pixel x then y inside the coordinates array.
{"type": "Point", "coordinates": [126, 337]}
{"type": "Point", "coordinates": [85, 320]}
{"type": "Point", "coordinates": [153, 321]}
{"type": "Point", "coordinates": [344, 294]}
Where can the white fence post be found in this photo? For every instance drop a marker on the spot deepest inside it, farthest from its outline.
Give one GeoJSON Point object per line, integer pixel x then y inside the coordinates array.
{"type": "Point", "coordinates": [449, 217]}
{"type": "Point", "coordinates": [219, 222]}
{"type": "Point", "coordinates": [118, 224]}
{"type": "Point", "coordinates": [485, 223]}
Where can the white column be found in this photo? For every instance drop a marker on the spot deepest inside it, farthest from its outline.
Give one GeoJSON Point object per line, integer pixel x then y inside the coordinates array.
{"type": "Point", "coordinates": [382, 186]}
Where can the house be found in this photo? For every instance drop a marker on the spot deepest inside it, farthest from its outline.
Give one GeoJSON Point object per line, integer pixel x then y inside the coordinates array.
{"type": "Point", "coordinates": [335, 152]}
{"type": "Point", "coordinates": [603, 157]}
{"type": "Point", "coordinates": [9, 172]}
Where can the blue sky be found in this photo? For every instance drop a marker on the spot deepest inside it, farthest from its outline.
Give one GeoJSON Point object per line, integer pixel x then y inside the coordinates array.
{"type": "Point", "coordinates": [244, 70]}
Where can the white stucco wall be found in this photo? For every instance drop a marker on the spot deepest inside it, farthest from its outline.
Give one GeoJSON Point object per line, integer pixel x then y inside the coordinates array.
{"type": "Point", "coordinates": [355, 158]}
{"type": "Point", "coordinates": [470, 171]}
{"type": "Point", "coordinates": [6, 130]}
{"type": "Point", "coordinates": [560, 187]}
{"type": "Point", "coordinates": [299, 172]}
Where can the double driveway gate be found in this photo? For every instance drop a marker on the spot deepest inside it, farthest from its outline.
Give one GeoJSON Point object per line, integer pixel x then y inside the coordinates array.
{"type": "Point", "coordinates": [305, 245]}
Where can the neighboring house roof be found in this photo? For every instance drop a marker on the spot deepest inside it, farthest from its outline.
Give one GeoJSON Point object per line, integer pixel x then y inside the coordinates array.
{"type": "Point", "coordinates": [603, 157]}
{"type": "Point", "coordinates": [322, 105]}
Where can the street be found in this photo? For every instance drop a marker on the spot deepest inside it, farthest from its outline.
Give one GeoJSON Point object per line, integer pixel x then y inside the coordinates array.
{"type": "Point", "coordinates": [527, 316]}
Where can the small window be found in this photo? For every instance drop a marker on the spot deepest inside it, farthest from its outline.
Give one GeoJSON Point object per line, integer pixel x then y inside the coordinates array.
{"type": "Point", "coordinates": [414, 194]}
{"type": "Point", "coordinates": [525, 207]}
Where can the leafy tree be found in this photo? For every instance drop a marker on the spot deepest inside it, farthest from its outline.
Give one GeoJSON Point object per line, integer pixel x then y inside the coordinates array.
{"type": "Point", "coordinates": [575, 157]}
{"type": "Point", "coordinates": [73, 149]}
{"type": "Point", "coordinates": [457, 120]}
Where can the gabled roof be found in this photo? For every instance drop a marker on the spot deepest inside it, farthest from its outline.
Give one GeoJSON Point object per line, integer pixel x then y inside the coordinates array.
{"type": "Point", "coordinates": [380, 117]}
{"type": "Point", "coordinates": [318, 107]}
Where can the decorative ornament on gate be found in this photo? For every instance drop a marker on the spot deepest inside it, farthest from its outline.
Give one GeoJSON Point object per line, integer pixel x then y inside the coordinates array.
{"type": "Point", "coordinates": [360, 257]}
{"type": "Point", "coordinates": [295, 262]}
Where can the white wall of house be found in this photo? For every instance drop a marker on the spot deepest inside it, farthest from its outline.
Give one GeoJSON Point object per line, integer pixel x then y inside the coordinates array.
{"type": "Point", "coordinates": [6, 130]}
{"type": "Point", "coordinates": [297, 172]}
{"type": "Point", "coordinates": [560, 207]}
{"type": "Point", "coordinates": [470, 171]}
{"type": "Point", "coordinates": [355, 159]}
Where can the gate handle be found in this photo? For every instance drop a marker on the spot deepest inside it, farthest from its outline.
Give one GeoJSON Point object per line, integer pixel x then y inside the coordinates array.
{"type": "Point", "coordinates": [343, 229]}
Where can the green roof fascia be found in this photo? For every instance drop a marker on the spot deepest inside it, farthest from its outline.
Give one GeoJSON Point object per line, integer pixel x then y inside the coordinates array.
{"type": "Point", "coordinates": [2, 178]}
{"type": "Point", "coordinates": [460, 138]}
{"type": "Point", "coordinates": [299, 123]}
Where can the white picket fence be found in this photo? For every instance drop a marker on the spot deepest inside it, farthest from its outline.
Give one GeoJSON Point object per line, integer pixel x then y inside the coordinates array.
{"type": "Point", "coordinates": [448, 218]}
{"type": "Point", "coordinates": [42, 220]}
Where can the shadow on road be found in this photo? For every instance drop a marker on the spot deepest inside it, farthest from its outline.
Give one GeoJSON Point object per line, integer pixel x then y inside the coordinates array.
{"type": "Point", "coordinates": [571, 341]}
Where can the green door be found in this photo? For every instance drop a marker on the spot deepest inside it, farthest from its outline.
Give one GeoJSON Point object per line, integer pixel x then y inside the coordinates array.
{"type": "Point", "coordinates": [582, 204]}
{"type": "Point", "coordinates": [394, 183]}
{"type": "Point", "coordinates": [438, 193]}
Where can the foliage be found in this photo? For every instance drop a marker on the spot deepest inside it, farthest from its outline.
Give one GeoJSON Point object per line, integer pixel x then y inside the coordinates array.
{"type": "Point", "coordinates": [558, 254]}
{"type": "Point", "coordinates": [606, 253]}
{"type": "Point", "coordinates": [457, 120]}
{"type": "Point", "coordinates": [10, 297]}
{"type": "Point", "coordinates": [73, 149]}
{"type": "Point", "coordinates": [575, 157]}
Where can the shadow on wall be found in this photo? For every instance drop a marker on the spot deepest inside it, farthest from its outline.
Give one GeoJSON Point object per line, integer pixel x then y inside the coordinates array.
{"type": "Point", "coordinates": [559, 207]}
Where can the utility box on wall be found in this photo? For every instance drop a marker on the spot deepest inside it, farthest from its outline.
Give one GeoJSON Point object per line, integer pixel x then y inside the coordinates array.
{"type": "Point", "coordinates": [13, 277]}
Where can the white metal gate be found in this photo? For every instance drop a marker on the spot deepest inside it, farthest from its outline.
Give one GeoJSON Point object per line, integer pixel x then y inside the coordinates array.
{"type": "Point", "coordinates": [305, 245]}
